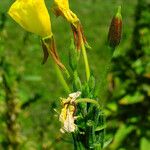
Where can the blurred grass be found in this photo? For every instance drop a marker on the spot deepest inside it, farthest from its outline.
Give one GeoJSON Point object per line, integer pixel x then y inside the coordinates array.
{"type": "Point", "coordinates": [23, 50]}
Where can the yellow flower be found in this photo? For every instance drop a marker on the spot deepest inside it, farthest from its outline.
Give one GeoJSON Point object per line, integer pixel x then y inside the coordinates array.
{"type": "Point", "coordinates": [61, 8]}
{"type": "Point", "coordinates": [32, 15]}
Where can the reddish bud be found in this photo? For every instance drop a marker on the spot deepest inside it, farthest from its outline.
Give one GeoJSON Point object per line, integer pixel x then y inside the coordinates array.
{"type": "Point", "coordinates": [115, 29]}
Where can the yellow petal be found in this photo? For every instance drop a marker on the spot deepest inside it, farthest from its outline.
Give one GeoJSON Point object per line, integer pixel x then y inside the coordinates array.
{"type": "Point", "coordinates": [32, 15]}
{"type": "Point", "coordinates": [63, 114]}
{"type": "Point", "coordinates": [62, 8]}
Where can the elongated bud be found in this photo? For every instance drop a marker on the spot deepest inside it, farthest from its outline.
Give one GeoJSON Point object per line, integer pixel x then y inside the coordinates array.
{"type": "Point", "coordinates": [85, 90]}
{"type": "Point", "coordinates": [73, 56]}
{"type": "Point", "coordinates": [91, 82]}
{"type": "Point", "coordinates": [77, 84]}
{"type": "Point", "coordinates": [115, 29]}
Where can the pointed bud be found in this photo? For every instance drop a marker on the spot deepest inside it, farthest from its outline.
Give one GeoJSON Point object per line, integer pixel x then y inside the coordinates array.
{"type": "Point", "coordinates": [73, 56]}
{"type": "Point", "coordinates": [77, 84]}
{"type": "Point", "coordinates": [91, 82]}
{"type": "Point", "coordinates": [85, 90]}
{"type": "Point", "coordinates": [115, 29]}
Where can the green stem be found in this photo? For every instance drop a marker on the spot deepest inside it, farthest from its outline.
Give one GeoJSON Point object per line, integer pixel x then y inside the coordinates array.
{"type": "Point", "coordinates": [62, 80]}
{"type": "Point", "coordinates": [87, 100]}
{"type": "Point", "coordinates": [87, 68]}
{"type": "Point", "coordinates": [74, 140]}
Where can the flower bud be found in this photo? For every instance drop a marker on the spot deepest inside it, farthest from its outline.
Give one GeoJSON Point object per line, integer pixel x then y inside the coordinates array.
{"type": "Point", "coordinates": [91, 82]}
{"type": "Point", "coordinates": [77, 84]}
{"type": "Point", "coordinates": [115, 29]}
{"type": "Point", "coordinates": [73, 56]}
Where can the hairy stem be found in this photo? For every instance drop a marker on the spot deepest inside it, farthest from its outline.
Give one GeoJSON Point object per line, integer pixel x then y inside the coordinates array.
{"type": "Point", "coordinates": [87, 100]}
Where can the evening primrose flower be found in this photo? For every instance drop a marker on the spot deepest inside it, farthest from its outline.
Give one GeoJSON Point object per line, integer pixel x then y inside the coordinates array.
{"type": "Point", "coordinates": [61, 8]}
{"type": "Point", "coordinates": [32, 15]}
{"type": "Point", "coordinates": [67, 117]}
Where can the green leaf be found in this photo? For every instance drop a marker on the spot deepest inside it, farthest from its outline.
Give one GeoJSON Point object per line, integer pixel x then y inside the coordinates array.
{"type": "Point", "coordinates": [99, 128]}
{"type": "Point", "coordinates": [132, 99]}
{"type": "Point", "coordinates": [144, 144]}
{"type": "Point", "coordinates": [107, 142]}
{"type": "Point", "coordinates": [120, 135]}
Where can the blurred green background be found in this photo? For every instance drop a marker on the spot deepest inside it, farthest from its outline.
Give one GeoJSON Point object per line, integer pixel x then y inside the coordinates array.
{"type": "Point", "coordinates": [29, 91]}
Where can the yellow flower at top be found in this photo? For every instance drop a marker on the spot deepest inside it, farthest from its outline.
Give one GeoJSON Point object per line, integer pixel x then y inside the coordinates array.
{"type": "Point", "coordinates": [32, 15]}
{"type": "Point", "coordinates": [61, 7]}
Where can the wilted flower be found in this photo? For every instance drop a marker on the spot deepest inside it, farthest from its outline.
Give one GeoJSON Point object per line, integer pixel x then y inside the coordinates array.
{"type": "Point", "coordinates": [67, 117]}
{"type": "Point", "coordinates": [115, 30]}
{"type": "Point", "coordinates": [32, 15]}
{"type": "Point", "coordinates": [61, 8]}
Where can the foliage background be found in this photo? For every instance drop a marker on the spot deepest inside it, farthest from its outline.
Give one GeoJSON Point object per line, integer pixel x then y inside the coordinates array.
{"type": "Point", "coordinates": [38, 90]}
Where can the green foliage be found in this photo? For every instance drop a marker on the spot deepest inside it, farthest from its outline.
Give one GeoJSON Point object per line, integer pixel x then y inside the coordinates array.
{"type": "Point", "coordinates": [130, 103]}
{"type": "Point", "coordinates": [38, 88]}
{"type": "Point", "coordinates": [144, 144]}
{"type": "Point", "coordinates": [90, 118]}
